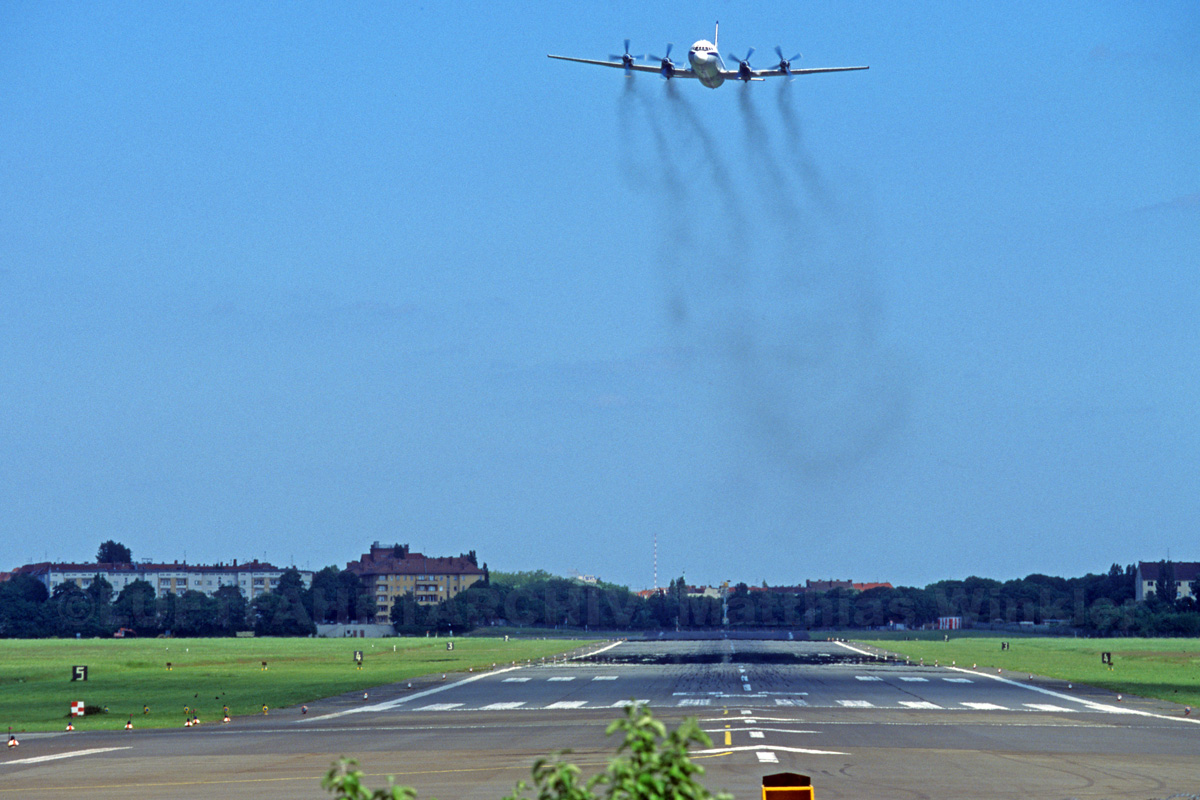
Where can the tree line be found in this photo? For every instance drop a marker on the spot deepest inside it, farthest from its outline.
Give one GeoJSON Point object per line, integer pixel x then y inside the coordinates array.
{"type": "Point", "coordinates": [1094, 604]}
{"type": "Point", "coordinates": [29, 610]}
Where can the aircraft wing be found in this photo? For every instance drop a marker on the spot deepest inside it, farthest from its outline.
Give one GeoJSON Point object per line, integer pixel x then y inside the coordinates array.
{"type": "Point", "coordinates": [771, 73]}
{"type": "Point", "coordinates": [679, 73]}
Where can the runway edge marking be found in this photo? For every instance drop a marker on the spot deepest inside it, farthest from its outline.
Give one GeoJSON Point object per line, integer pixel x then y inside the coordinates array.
{"type": "Point", "coordinates": [1087, 703]}
{"type": "Point", "coordinates": [416, 696]}
{"type": "Point", "coordinates": [39, 759]}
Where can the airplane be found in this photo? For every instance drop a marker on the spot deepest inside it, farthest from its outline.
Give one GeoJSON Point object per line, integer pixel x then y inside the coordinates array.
{"type": "Point", "coordinates": [706, 64]}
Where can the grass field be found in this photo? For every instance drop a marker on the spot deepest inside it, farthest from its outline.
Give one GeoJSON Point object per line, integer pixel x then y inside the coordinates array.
{"type": "Point", "coordinates": [1166, 669]}
{"type": "Point", "coordinates": [206, 674]}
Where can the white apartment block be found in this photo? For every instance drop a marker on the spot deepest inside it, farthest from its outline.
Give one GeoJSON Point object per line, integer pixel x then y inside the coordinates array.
{"type": "Point", "coordinates": [252, 578]}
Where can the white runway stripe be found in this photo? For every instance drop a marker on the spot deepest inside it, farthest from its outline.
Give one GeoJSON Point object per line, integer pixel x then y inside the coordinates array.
{"type": "Point", "coordinates": [605, 678]}
{"type": "Point", "coordinates": [695, 702]}
{"type": "Point", "coordinates": [57, 756]}
{"type": "Point", "coordinates": [501, 706]}
{"type": "Point", "coordinates": [856, 704]}
{"type": "Point", "coordinates": [563, 678]}
{"type": "Point", "coordinates": [918, 704]}
{"type": "Point", "coordinates": [781, 701]}
{"type": "Point", "coordinates": [568, 704]}
{"type": "Point", "coordinates": [915, 680]}
{"type": "Point", "coordinates": [624, 703]}
{"type": "Point", "coordinates": [515, 680]}
{"type": "Point", "coordinates": [957, 680]}
{"type": "Point", "coordinates": [984, 706]}
{"type": "Point", "coordinates": [439, 707]}
{"type": "Point", "coordinates": [867, 678]}
{"type": "Point", "coordinates": [767, 757]}
{"type": "Point", "coordinates": [757, 734]}
{"type": "Point", "coordinates": [1048, 707]}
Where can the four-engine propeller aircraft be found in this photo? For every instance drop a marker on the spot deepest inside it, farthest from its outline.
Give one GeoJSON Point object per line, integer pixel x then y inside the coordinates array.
{"type": "Point", "coordinates": [706, 65]}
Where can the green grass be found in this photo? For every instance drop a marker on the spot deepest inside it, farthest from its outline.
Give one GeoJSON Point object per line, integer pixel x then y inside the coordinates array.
{"type": "Point", "coordinates": [36, 691]}
{"type": "Point", "coordinates": [1165, 669]}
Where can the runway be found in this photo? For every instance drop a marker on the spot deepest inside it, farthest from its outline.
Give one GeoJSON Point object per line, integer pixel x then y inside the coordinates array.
{"type": "Point", "coordinates": [861, 728]}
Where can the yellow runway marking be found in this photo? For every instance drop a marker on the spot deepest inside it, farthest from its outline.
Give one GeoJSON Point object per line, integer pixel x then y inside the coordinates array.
{"type": "Point", "coordinates": [316, 779]}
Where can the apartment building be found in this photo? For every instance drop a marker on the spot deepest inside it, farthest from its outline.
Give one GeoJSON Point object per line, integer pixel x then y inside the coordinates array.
{"type": "Point", "coordinates": [392, 571]}
{"type": "Point", "coordinates": [252, 578]}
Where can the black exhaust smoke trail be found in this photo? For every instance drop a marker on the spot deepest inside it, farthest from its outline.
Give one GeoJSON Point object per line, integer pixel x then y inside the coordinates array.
{"type": "Point", "coordinates": [714, 164]}
{"type": "Point", "coordinates": [670, 193]}
{"type": "Point", "coordinates": [762, 159]}
{"type": "Point", "coordinates": [819, 390]}
{"type": "Point", "coordinates": [626, 161]}
{"type": "Point", "coordinates": [802, 161]}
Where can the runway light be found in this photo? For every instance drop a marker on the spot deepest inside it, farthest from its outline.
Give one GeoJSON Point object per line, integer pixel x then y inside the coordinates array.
{"type": "Point", "coordinates": [70, 726]}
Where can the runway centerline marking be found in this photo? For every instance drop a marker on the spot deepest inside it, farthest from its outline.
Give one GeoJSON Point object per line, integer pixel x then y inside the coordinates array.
{"type": "Point", "coordinates": [856, 703]}
{"type": "Point", "coordinates": [502, 706]}
{"type": "Point", "coordinates": [568, 704]}
{"type": "Point", "coordinates": [40, 759]}
{"type": "Point", "coordinates": [984, 706]}
{"type": "Point", "coordinates": [562, 678]}
{"type": "Point", "coordinates": [605, 678]}
{"type": "Point", "coordinates": [515, 680]}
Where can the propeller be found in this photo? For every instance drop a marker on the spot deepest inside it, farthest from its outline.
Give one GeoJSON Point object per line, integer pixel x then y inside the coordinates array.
{"type": "Point", "coordinates": [785, 64]}
{"type": "Point", "coordinates": [667, 67]}
{"type": "Point", "coordinates": [744, 72]}
{"type": "Point", "coordinates": [625, 59]}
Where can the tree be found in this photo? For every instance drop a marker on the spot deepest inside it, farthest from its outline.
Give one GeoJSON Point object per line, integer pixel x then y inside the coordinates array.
{"type": "Point", "coordinates": [111, 552]}
{"type": "Point", "coordinates": [136, 608]}
{"type": "Point", "coordinates": [1165, 588]}
{"type": "Point", "coordinates": [408, 616]}
{"type": "Point", "coordinates": [286, 610]}
{"type": "Point", "coordinates": [23, 608]}
{"type": "Point", "coordinates": [231, 610]}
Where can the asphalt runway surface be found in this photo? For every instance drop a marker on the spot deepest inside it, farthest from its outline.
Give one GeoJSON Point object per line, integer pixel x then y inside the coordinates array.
{"type": "Point", "coordinates": [862, 728]}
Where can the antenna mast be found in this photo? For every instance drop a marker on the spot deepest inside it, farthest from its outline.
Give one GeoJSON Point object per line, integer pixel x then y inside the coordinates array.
{"type": "Point", "coordinates": [655, 560]}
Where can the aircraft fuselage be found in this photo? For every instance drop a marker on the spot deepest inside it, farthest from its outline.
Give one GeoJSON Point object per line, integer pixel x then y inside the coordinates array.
{"type": "Point", "coordinates": [706, 63]}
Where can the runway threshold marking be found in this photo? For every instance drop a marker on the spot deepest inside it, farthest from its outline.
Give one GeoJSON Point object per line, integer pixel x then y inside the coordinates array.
{"type": "Point", "coordinates": [984, 706]}
{"type": "Point", "coordinates": [55, 757]}
{"type": "Point", "coordinates": [767, 757]}
{"type": "Point", "coordinates": [416, 696]}
{"type": "Point", "coordinates": [502, 706]}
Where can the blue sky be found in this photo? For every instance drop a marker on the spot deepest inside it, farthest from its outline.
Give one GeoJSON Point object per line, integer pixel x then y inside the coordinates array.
{"type": "Point", "coordinates": [283, 279]}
